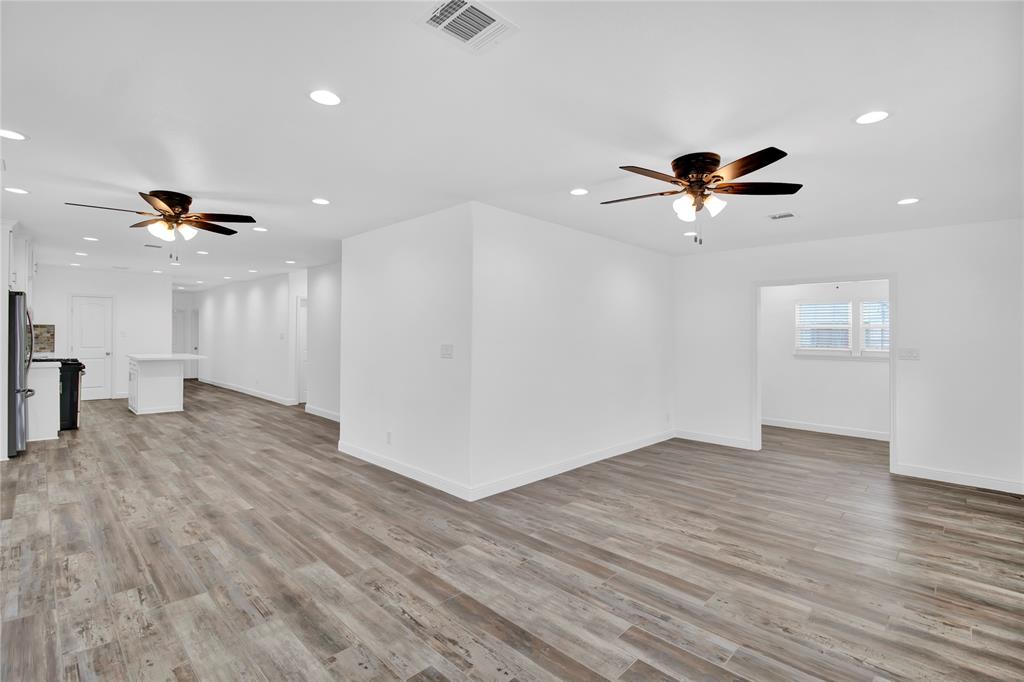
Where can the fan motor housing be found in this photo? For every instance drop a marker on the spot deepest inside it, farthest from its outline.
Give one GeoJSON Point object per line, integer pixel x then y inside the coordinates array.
{"type": "Point", "coordinates": [176, 200]}
{"type": "Point", "coordinates": [701, 163]}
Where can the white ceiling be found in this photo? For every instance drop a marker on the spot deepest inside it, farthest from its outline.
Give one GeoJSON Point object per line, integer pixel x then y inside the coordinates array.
{"type": "Point", "coordinates": [211, 99]}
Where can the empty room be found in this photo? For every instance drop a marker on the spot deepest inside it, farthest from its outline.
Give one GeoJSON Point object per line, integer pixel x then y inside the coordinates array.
{"type": "Point", "coordinates": [497, 341]}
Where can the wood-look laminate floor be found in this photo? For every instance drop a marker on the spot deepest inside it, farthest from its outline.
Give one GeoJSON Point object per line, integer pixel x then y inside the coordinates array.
{"type": "Point", "coordinates": [232, 542]}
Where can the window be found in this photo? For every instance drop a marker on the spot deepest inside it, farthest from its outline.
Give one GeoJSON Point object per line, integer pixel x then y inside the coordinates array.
{"type": "Point", "coordinates": [874, 326]}
{"type": "Point", "coordinates": [824, 326]}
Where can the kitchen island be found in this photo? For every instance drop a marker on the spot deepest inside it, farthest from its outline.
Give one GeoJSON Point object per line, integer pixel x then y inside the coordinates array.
{"type": "Point", "coordinates": [155, 382]}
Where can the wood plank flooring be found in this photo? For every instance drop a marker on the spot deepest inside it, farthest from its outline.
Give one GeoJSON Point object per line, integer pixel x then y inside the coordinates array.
{"type": "Point", "coordinates": [232, 542]}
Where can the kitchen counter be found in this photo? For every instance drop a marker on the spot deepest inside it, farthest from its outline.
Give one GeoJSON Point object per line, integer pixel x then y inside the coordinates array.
{"type": "Point", "coordinates": [155, 382]}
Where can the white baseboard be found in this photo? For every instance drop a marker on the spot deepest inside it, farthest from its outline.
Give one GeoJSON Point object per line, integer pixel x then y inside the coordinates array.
{"type": "Point", "coordinates": [158, 410]}
{"type": "Point", "coordinates": [958, 477]}
{"type": "Point", "coordinates": [320, 412]}
{"type": "Point", "coordinates": [531, 476]}
{"type": "Point", "coordinates": [253, 392]}
{"type": "Point", "coordinates": [477, 492]}
{"type": "Point", "coordinates": [415, 473]}
{"type": "Point", "coordinates": [826, 428]}
{"type": "Point", "coordinates": [714, 439]}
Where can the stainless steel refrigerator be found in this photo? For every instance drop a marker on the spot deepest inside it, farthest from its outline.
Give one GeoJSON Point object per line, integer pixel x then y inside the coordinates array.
{"type": "Point", "coordinates": [19, 357]}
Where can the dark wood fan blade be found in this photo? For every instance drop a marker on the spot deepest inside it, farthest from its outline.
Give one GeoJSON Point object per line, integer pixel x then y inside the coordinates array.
{"type": "Point", "coordinates": [146, 223]}
{"type": "Point", "coordinates": [108, 208]}
{"type": "Point", "coordinates": [653, 174]}
{"type": "Point", "coordinates": [750, 163]}
{"type": "Point", "coordinates": [209, 227]}
{"type": "Point", "coordinates": [643, 196]}
{"type": "Point", "coordinates": [156, 203]}
{"type": "Point", "coordinates": [222, 217]}
{"type": "Point", "coordinates": [758, 188]}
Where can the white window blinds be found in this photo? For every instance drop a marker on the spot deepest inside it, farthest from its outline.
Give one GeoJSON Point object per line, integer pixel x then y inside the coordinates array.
{"type": "Point", "coordinates": [824, 326]}
{"type": "Point", "coordinates": [874, 325]}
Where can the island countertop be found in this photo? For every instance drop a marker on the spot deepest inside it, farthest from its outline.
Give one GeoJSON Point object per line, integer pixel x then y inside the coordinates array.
{"type": "Point", "coordinates": [153, 357]}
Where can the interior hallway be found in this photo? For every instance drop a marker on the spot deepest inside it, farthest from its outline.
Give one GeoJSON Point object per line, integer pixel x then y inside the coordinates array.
{"type": "Point", "coordinates": [233, 541]}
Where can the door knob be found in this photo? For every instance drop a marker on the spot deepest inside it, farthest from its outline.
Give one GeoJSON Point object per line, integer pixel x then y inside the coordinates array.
{"type": "Point", "coordinates": [108, 352]}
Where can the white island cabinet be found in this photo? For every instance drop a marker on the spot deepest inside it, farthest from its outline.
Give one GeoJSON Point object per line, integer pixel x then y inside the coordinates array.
{"type": "Point", "coordinates": [155, 382]}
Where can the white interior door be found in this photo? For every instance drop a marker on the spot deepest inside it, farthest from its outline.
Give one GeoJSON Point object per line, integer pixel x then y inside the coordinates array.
{"type": "Point", "coordinates": [192, 366]}
{"type": "Point", "coordinates": [303, 347]}
{"type": "Point", "coordinates": [179, 332]}
{"type": "Point", "coordinates": [92, 337]}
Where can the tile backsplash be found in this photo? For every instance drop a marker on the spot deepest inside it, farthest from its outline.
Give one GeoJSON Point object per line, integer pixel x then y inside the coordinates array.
{"type": "Point", "coordinates": [42, 338]}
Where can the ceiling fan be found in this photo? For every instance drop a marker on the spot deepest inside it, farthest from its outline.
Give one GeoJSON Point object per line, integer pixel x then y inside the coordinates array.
{"type": "Point", "coordinates": [699, 179]}
{"type": "Point", "coordinates": [173, 216]}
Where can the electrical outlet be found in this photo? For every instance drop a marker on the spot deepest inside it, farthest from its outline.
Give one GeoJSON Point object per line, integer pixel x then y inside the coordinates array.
{"type": "Point", "coordinates": [389, 437]}
{"type": "Point", "coordinates": [447, 351]}
{"type": "Point", "coordinates": [908, 354]}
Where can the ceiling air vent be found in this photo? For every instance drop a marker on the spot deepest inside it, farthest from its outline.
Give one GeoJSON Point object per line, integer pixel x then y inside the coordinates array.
{"type": "Point", "coordinates": [471, 24]}
{"type": "Point", "coordinates": [782, 216]}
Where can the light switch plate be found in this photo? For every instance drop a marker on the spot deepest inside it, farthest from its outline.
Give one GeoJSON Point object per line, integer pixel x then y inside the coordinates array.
{"type": "Point", "coordinates": [908, 354]}
{"type": "Point", "coordinates": [447, 351]}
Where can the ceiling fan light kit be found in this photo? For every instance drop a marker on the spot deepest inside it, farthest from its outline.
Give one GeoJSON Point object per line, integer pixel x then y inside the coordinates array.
{"type": "Point", "coordinates": [700, 178]}
{"type": "Point", "coordinates": [173, 216]}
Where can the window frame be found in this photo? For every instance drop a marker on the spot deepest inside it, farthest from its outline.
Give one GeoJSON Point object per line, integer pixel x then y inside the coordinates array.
{"type": "Point", "coordinates": [797, 328]}
{"type": "Point", "coordinates": [863, 328]}
{"type": "Point", "coordinates": [856, 351]}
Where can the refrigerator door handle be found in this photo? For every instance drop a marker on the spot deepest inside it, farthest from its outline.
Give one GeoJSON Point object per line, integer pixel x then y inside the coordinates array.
{"type": "Point", "coordinates": [31, 339]}
{"type": "Point", "coordinates": [27, 392]}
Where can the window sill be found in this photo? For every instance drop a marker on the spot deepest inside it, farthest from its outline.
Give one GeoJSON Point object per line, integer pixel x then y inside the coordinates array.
{"type": "Point", "coordinates": [868, 356]}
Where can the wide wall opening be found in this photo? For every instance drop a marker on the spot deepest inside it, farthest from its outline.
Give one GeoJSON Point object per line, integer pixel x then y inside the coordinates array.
{"type": "Point", "coordinates": [823, 360]}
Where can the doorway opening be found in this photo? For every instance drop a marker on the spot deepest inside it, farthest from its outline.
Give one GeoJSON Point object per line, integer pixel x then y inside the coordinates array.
{"type": "Point", "coordinates": [823, 359]}
{"type": "Point", "coordinates": [185, 338]}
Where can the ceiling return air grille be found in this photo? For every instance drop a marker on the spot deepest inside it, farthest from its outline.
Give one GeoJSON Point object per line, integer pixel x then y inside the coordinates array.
{"type": "Point", "coordinates": [471, 24]}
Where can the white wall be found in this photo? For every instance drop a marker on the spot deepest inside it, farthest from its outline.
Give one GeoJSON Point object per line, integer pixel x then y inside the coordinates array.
{"type": "Point", "coordinates": [843, 395]}
{"type": "Point", "coordinates": [142, 310]}
{"type": "Point", "coordinates": [246, 330]}
{"type": "Point", "coordinates": [571, 343]}
{"type": "Point", "coordinates": [323, 380]}
{"type": "Point", "coordinates": [406, 290]}
{"type": "Point", "coordinates": [561, 344]}
{"type": "Point", "coordinates": [957, 409]}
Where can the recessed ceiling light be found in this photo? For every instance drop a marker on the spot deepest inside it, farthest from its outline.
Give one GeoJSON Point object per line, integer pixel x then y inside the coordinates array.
{"type": "Point", "coordinates": [15, 190]}
{"type": "Point", "coordinates": [259, 229]}
{"type": "Point", "coordinates": [579, 192]}
{"type": "Point", "coordinates": [872, 117]}
{"type": "Point", "coordinates": [227, 276]}
{"type": "Point", "coordinates": [90, 239]}
{"type": "Point", "coordinates": [199, 281]}
{"type": "Point", "coordinates": [290, 262]}
{"type": "Point", "coordinates": [12, 135]}
{"type": "Point", "coordinates": [321, 202]}
{"type": "Point", "coordinates": [689, 234]}
{"type": "Point", "coordinates": [252, 271]}
{"type": "Point", "coordinates": [79, 253]}
{"type": "Point", "coordinates": [325, 97]}
{"type": "Point", "coordinates": [75, 265]}
{"type": "Point", "coordinates": [203, 253]}
{"type": "Point", "coordinates": [180, 288]}
{"type": "Point", "coordinates": [158, 272]}
{"type": "Point", "coordinates": [907, 201]}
